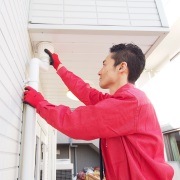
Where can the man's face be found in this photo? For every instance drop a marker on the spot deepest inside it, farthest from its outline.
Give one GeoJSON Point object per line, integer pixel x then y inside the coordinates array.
{"type": "Point", "coordinates": [108, 75]}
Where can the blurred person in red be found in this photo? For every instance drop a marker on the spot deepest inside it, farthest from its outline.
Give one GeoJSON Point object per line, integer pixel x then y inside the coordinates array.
{"type": "Point", "coordinates": [131, 142]}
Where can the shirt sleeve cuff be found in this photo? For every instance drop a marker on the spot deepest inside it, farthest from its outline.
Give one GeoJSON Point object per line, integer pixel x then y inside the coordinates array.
{"type": "Point", "coordinates": [61, 71]}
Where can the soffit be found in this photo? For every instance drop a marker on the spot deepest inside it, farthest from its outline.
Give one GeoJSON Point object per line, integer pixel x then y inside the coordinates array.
{"type": "Point", "coordinates": [82, 52]}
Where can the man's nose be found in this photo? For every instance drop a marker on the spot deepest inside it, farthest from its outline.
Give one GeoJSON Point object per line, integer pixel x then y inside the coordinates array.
{"type": "Point", "coordinates": [99, 73]}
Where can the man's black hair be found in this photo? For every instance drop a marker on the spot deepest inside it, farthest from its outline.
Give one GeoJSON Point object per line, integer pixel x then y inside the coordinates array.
{"type": "Point", "coordinates": [133, 56]}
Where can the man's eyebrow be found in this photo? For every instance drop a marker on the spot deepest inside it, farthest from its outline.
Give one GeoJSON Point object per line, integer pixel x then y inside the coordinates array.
{"type": "Point", "coordinates": [104, 61]}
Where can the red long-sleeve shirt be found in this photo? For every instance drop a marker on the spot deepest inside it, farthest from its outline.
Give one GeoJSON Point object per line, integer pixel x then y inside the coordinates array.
{"type": "Point", "coordinates": [131, 138]}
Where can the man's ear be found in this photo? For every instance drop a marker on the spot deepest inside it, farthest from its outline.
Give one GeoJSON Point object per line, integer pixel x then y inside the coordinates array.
{"type": "Point", "coordinates": [122, 66]}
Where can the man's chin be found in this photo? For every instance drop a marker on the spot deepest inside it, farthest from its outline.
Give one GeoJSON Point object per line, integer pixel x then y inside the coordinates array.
{"type": "Point", "coordinates": [103, 86]}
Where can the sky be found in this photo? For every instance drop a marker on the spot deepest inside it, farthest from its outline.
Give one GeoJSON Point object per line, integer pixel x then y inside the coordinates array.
{"type": "Point", "coordinates": [164, 92]}
{"type": "Point", "coordinates": [164, 88]}
{"type": "Point", "coordinates": [172, 10]}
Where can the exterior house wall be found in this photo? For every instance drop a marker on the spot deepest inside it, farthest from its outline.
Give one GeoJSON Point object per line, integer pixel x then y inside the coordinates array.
{"type": "Point", "coordinates": [129, 13]}
{"type": "Point", "coordinates": [15, 51]}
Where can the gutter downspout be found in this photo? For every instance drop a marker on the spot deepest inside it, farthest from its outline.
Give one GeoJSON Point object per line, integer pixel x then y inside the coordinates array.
{"type": "Point", "coordinates": [29, 129]}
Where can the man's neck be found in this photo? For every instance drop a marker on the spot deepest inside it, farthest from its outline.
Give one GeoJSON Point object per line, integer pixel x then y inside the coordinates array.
{"type": "Point", "coordinates": [112, 90]}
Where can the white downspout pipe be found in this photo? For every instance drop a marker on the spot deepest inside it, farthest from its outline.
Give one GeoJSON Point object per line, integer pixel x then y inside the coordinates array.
{"type": "Point", "coordinates": [29, 129]}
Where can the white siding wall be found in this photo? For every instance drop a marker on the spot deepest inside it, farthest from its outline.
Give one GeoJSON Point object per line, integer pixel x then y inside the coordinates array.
{"type": "Point", "coordinates": [135, 13]}
{"type": "Point", "coordinates": [15, 51]}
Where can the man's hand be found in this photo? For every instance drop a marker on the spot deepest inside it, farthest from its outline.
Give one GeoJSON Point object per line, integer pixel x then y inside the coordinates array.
{"type": "Point", "coordinates": [54, 59]}
{"type": "Point", "coordinates": [32, 97]}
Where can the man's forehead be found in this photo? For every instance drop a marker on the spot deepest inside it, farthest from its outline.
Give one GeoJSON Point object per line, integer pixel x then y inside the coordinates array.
{"type": "Point", "coordinates": [108, 58]}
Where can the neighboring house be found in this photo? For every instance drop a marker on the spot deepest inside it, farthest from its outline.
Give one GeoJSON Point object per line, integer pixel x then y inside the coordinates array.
{"type": "Point", "coordinates": [81, 32]}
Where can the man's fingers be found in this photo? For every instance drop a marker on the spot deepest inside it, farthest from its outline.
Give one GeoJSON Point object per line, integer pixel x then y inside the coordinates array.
{"type": "Point", "coordinates": [27, 93]}
{"type": "Point", "coordinates": [28, 88]}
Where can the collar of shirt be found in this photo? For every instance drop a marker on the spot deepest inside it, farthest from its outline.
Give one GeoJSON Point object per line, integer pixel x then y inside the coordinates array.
{"type": "Point", "coordinates": [123, 88]}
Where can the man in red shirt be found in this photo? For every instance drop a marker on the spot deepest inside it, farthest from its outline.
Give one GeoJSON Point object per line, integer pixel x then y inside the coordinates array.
{"type": "Point", "coordinates": [124, 120]}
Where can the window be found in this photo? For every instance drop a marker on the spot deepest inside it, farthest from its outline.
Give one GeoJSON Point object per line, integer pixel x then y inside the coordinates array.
{"type": "Point", "coordinates": [63, 175]}
{"type": "Point", "coordinates": [172, 145]}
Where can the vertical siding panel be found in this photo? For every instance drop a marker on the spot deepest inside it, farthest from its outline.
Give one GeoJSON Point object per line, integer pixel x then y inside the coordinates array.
{"type": "Point", "coordinates": [0, 4]}
{"type": "Point", "coordinates": [9, 66]}
{"type": "Point", "coordinates": [11, 132]}
{"type": "Point", "coordinates": [8, 148]}
{"type": "Point", "coordinates": [9, 160]}
{"type": "Point", "coordinates": [15, 52]}
{"type": "Point", "coordinates": [12, 25]}
{"type": "Point", "coordinates": [21, 25]}
{"type": "Point", "coordinates": [8, 48]}
{"type": "Point", "coordinates": [24, 9]}
{"type": "Point", "coordinates": [9, 116]}
{"type": "Point", "coordinates": [10, 97]}
{"type": "Point", "coordinates": [9, 173]}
